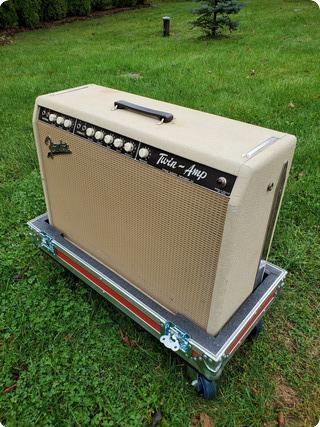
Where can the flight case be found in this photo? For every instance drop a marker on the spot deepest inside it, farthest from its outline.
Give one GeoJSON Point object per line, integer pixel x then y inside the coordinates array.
{"type": "Point", "coordinates": [206, 355]}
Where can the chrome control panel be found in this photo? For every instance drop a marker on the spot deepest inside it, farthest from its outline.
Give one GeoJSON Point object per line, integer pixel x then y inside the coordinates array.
{"type": "Point", "coordinates": [56, 119]}
{"type": "Point", "coordinates": [205, 176]}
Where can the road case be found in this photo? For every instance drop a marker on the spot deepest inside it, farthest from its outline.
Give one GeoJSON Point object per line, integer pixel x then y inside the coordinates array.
{"type": "Point", "coordinates": [205, 354]}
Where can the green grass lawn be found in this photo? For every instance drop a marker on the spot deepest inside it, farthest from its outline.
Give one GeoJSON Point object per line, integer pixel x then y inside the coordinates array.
{"type": "Point", "coordinates": [61, 343]}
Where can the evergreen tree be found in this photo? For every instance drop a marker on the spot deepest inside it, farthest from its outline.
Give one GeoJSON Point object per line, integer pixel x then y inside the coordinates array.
{"type": "Point", "coordinates": [215, 15]}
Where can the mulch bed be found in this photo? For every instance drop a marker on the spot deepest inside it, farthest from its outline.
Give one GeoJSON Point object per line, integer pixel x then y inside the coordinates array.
{"type": "Point", "coordinates": [6, 35]}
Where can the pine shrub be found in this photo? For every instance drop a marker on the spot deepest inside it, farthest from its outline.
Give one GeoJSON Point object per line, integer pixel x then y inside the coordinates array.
{"type": "Point", "coordinates": [215, 15]}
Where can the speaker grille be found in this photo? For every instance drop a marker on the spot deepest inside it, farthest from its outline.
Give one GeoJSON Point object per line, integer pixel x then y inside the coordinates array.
{"type": "Point", "coordinates": [161, 233]}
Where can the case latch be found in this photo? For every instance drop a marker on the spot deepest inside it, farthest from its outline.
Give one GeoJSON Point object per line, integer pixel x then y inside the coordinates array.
{"type": "Point", "coordinates": [175, 338]}
{"type": "Point", "coordinates": [47, 242]}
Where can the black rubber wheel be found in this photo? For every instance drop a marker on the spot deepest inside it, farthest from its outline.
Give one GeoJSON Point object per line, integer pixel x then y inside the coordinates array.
{"type": "Point", "coordinates": [207, 389]}
{"type": "Point", "coordinates": [258, 328]}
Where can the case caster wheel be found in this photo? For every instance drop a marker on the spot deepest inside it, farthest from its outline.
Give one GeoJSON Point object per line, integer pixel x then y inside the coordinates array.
{"type": "Point", "coordinates": [207, 389]}
{"type": "Point", "coordinates": [256, 330]}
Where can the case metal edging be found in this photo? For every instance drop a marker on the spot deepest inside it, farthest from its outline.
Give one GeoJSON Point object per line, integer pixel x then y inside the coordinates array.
{"type": "Point", "coordinates": [107, 287]}
{"type": "Point", "coordinates": [193, 352]}
{"type": "Point", "coordinates": [212, 365]}
{"type": "Point", "coordinates": [208, 363]}
{"type": "Point", "coordinates": [253, 317]}
{"type": "Point", "coordinates": [136, 310]}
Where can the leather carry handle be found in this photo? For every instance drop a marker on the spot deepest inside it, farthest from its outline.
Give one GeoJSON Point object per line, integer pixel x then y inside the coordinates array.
{"type": "Point", "coordinates": [161, 115]}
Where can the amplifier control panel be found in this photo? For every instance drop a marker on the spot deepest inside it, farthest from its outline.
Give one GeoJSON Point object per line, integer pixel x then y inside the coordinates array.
{"type": "Point", "coordinates": [59, 120]}
{"type": "Point", "coordinates": [107, 138]}
{"type": "Point", "coordinates": [205, 176]}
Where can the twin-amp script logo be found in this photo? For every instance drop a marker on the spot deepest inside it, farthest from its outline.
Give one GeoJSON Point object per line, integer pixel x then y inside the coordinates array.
{"type": "Point", "coordinates": [203, 175]}
{"type": "Point", "coordinates": [191, 172]}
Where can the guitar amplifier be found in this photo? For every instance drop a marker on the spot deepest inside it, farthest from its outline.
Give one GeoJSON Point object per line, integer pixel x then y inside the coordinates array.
{"type": "Point", "coordinates": [180, 203]}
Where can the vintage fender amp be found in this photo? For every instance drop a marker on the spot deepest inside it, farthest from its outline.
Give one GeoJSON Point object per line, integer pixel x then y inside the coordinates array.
{"type": "Point", "coordinates": [180, 203]}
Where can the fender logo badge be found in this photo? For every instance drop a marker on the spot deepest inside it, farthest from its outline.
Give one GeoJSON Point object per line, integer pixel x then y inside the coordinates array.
{"type": "Point", "coordinates": [56, 149]}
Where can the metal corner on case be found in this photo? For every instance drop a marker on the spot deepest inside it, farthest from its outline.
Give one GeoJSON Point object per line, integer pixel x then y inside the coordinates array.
{"type": "Point", "coordinates": [46, 242]}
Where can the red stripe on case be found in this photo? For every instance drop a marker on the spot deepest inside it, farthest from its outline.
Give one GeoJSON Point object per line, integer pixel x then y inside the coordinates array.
{"type": "Point", "coordinates": [110, 291]}
{"type": "Point", "coordinates": [235, 342]}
